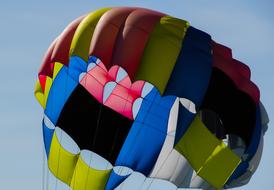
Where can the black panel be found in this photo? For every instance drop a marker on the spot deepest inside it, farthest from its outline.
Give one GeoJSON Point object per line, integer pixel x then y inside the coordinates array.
{"type": "Point", "coordinates": [94, 126]}
{"type": "Point", "coordinates": [213, 122]}
{"type": "Point", "coordinates": [235, 108]}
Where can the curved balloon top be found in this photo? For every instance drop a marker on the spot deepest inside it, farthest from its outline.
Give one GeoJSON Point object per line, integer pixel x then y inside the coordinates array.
{"type": "Point", "coordinates": [135, 96]}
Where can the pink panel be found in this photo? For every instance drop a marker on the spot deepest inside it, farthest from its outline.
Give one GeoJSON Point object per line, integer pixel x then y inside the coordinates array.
{"type": "Point", "coordinates": [94, 87]}
{"type": "Point", "coordinates": [126, 82]}
{"type": "Point", "coordinates": [123, 95]}
{"type": "Point", "coordinates": [137, 87]}
{"type": "Point", "coordinates": [120, 105]}
{"type": "Point", "coordinates": [100, 75]}
{"type": "Point", "coordinates": [113, 71]}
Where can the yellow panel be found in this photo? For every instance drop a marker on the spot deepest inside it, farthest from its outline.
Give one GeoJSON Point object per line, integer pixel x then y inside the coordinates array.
{"type": "Point", "coordinates": [57, 67]}
{"type": "Point", "coordinates": [61, 162]}
{"type": "Point", "coordinates": [161, 51]}
{"type": "Point", "coordinates": [219, 166]}
{"type": "Point", "coordinates": [81, 40]}
{"type": "Point", "coordinates": [38, 92]}
{"type": "Point", "coordinates": [47, 89]}
{"type": "Point", "coordinates": [209, 156]}
{"type": "Point", "coordinates": [197, 137]}
{"type": "Point", "coordinates": [86, 178]}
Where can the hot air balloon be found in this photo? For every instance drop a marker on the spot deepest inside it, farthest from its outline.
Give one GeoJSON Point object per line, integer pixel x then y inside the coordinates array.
{"type": "Point", "coordinates": [137, 99]}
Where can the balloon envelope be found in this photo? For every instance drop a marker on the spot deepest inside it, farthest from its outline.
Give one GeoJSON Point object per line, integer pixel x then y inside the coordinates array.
{"type": "Point", "coordinates": [137, 99]}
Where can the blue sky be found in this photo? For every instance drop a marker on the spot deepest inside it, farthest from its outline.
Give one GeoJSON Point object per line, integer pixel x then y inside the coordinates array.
{"type": "Point", "coordinates": [28, 27]}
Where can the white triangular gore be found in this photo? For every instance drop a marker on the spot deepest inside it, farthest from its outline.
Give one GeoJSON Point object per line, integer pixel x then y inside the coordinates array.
{"type": "Point", "coordinates": [136, 107]}
{"type": "Point", "coordinates": [95, 161]}
{"type": "Point", "coordinates": [122, 171]}
{"type": "Point", "coordinates": [188, 104]}
{"type": "Point", "coordinates": [121, 74]}
{"type": "Point", "coordinates": [91, 66]}
{"type": "Point", "coordinates": [81, 76]}
{"type": "Point", "coordinates": [48, 122]}
{"type": "Point", "coordinates": [173, 118]}
{"type": "Point", "coordinates": [137, 181]}
{"type": "Point", "coordinates": [66, 141]}
{"type": "Point", "coordinates": [146, 89]}
{"type": "Point", "coordinates": [108, 88]}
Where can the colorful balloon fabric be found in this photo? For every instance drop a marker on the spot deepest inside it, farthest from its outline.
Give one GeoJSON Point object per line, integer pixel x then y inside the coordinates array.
{"type": "Point", "coordinates": [137, 99]}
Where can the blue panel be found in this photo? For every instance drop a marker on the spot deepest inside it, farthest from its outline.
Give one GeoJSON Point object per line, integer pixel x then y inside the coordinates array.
{"type": "Point", "coordinates": [185, 118]}
{"type": "Point", "coordinates": [240, 170]}
{"type": "Point", "coordinates": [251, 149]}
{"type": "Point", "coordinates": [76, 66]}
{"type": "Point", "coordinates": [114, 180]}
{"type": "Point", "coordinates": [256, 136]}
{"type": "Point", "coordinates": [61, 89]}
{"type": "Point", "coordinates": [192, 71]}
{"type": "Point", "coordinates": [147, 134]}
{"type": "Point", "coordinates": [47, 135]}
{"type": "Point", "coordinates": [92, 59]}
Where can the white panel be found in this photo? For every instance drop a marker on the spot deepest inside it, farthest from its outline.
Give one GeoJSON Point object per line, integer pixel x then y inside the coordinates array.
{"type": "Point", "coordinates": [133, 182]}
{"type": "Point", "coordinates": [136, 107]}
{"type": "Point", "coordinates": [91, 66]}
{"type": "Point", "coordinates": [137, 181]}
{"type": "Point", "coordinates": [188, 104]}
{"type": "Point", "coordinates": [95, 161]}
{"type": "Point", "coordinates": [48, 122]}
{"type": "Point", "coordinates": [167, 146]}
{"type": "Point", "coordinates": [66, 141]}
{"type": "Point", "coordinates": [173, 118]}
{"type": "Point", "coordinates": [146, 89]}
{"type": "Point", "coordinates": [81, 76]}
{"type": "Point", "coordinates": [122, 170]}
{"type": "Point", "coordinates": [198, 182]}
{"type": "Point", "coordinates": [108, 88]}
{"type": "Point", "coordinates": [121, 74]}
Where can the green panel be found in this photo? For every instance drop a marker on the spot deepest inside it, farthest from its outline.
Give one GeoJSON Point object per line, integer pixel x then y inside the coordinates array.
{"type": "Point", "coordinates": [209, 156]}
{"type": "Point", "coordinates": [82, 38]}
{"type": "Point", "coordinates": [161, 51]}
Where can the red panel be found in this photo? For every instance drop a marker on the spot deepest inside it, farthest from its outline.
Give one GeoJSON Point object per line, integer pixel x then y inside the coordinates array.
{"type": "Point", "coordinates": [132, 40]}
{"type": "Point", "coordinates": [58, 50]}
{"type": "Point", "coordinates": [235, 70]}
{"type": "Point", "coordinates": [45, 67]}
{"type": "Point", "coordinates": [106, 31]}
{"type": "Point", "coordinates": [243, 68]}
{"type": "Point", "coordinates": [62, 47]}
{"type": "Point", "coordinates": [42, 80]}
